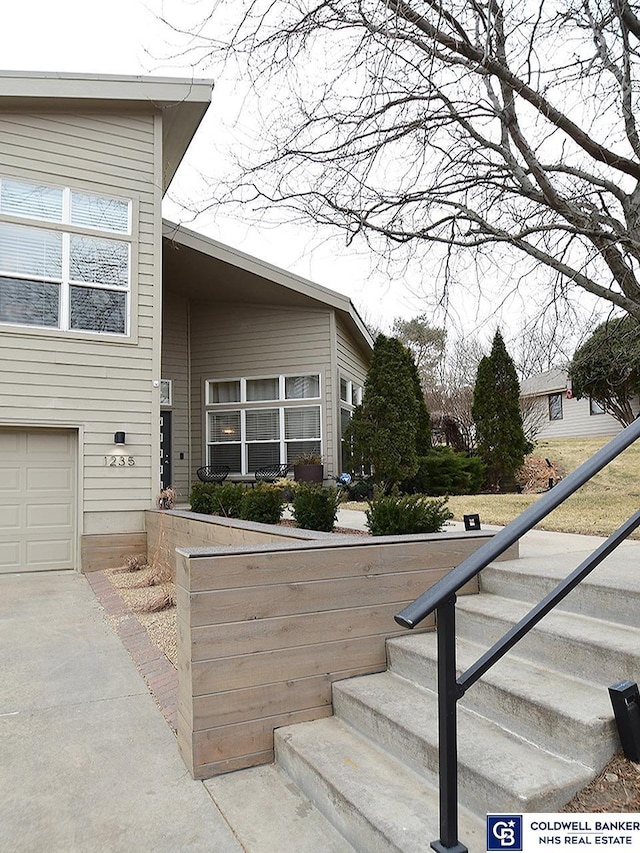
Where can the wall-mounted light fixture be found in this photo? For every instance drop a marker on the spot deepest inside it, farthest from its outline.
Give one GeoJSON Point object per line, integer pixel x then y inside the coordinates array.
{"type": "Point", "coordinates": [119, 438]}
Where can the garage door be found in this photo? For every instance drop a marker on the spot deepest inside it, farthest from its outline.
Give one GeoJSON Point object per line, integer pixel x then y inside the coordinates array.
{"type": "Point", "coordinates": [37, 499]}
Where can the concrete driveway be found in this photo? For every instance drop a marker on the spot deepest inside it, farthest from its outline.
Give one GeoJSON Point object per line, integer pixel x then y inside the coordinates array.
{"type": "Point", "coordinates": [87, 762]}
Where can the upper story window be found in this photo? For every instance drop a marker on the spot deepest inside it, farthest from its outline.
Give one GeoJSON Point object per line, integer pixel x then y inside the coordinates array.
{"type": "Point", "coordinates": [68, 264]}
{"type": "Point", "coordinates": [555, 407]}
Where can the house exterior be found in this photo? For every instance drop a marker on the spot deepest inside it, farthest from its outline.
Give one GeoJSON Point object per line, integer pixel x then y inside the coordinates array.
{"type": "Point", "coordinates": [551, 410]}
{"type": "Point", "coordinates": [95, 348]}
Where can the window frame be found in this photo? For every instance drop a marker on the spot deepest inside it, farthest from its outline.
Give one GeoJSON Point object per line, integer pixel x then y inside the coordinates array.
{"type": "Point", "coordinates": [596, 408]}
{"type": "Point", "coordinates": [244, 407]}
{"type": "Point", "coordinates": [553, 399]}
{"type": "Point", "coordinates": [65, 283]}
{"type": "Point", "coordinates": [347, 406]}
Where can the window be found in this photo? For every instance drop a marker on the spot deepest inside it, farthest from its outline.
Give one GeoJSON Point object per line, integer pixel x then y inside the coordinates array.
{"type": "Point", "coordinates": [595, 408]}
{"type": "Point", "coordinates": [254, 435]}
{"type": "Point", "coordinates": [350, 397]}
{"type": "Point", "coordinates": [555, 407]}
{"type": "Point", "coordinates": [165, 392]}
{"type": "Point", "coordinates": [52, 273]}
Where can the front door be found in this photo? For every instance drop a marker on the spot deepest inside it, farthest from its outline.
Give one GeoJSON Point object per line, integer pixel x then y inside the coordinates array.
{"type": "Point", "coordinates": [165, 449]}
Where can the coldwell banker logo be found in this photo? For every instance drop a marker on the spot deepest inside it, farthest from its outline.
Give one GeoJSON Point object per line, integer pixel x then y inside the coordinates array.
{"type": "Point", "coordinates": [504, 832]}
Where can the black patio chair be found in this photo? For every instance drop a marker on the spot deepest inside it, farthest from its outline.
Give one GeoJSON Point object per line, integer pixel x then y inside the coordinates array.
{"type": "Point", "coordinates": [271, 473]}
{"type": "Point", "coordinates": [213, 473]}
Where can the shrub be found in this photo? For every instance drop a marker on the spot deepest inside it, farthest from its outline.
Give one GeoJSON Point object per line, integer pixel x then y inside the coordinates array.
{"type": "Point", "coordinates": [315, 507]}
{"type": "Point", "coordinates": [359, 489]}
{"type": "Point", "coordinates": [201, 497]}
{"type": "Point", "coordinates": [228, 499]}
{"type": "Point", "coordinates": [394, 515]}
{"type": "Point", "coordinates": [217, 498]}
{"type": "Point", "coordinates": [442, 471]}
{"type": "Point", "coordinates": [263, 503]}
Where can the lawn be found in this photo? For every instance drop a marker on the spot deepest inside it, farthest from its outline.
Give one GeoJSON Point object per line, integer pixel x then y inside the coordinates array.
{"type": "Point", "coordinates": [598, 508]}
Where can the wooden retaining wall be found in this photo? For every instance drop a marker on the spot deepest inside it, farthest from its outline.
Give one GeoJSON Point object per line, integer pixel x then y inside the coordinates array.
{"type": "Point", "coordinates": [263, 631]}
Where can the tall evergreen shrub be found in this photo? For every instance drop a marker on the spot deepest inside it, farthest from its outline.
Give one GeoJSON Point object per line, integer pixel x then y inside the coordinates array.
{"type": "Point", "coordinates": [500, 438]}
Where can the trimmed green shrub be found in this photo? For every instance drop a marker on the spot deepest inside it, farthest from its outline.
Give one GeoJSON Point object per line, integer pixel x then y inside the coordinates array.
{"type": "Point", "coordinates": [315, 507]}
{"type": "Point", "coordinates": [217, 498]}
{"type": "Point", "coordinates": [201, 497]}
{"type": "Point", "coordinates": [228, 497]}
{"type": "Point", "coordinates": [263, 503]}
{"type": "Point", "coordinates": [391, 515]}
{"type": "Point", "coordinates": [442, 471]}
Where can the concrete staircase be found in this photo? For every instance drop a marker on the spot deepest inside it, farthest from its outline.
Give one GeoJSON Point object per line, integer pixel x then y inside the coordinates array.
{"type": "Point", "coordinates": [533, 731]}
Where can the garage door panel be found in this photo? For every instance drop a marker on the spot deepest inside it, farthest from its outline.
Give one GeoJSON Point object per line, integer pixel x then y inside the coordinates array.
{"type": "Point", "coordinates": [49, 479]}
{"type": "Point", "coordinates": [49, 553]}
{"type": "Point", "coordinates": [38, 510]}
{"type": "Point", "coordinates": [10, 517]}
{"type": "Point", "coordinates": [10, 555]}
{"type": "Point", "coordinates": [48, 443]}
{"type": "Point", "coordinates": [50, 515]}
{"type": "Point", "coordinates": [11, 478]}
{"type": "Point", "coordinates": [9, 442]}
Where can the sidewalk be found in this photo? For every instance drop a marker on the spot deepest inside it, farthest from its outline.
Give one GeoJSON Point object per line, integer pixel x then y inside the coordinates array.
{"type": "Point", "coordinates": [87, 762]}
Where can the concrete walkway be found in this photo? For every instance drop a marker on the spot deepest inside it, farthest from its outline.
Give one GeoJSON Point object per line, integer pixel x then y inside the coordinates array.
{"type": "Point", "coordinates": [87, 762]}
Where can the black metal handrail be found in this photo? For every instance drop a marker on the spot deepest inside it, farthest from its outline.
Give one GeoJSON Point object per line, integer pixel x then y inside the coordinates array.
{"type": "Point", "coordinates": [441, 598]}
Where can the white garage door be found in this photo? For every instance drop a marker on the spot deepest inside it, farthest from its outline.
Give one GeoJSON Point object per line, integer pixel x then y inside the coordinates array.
{"type": "Point", "coordinates": [37, 499]}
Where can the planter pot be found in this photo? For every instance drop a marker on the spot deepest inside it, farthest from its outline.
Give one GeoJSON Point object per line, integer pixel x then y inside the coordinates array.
{"type": "Point", "coordinates": [308, 473]}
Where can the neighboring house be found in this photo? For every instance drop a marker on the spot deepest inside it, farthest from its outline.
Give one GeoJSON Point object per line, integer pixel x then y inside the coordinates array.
{"type": "Point", "coordinates": [110, 320]}
{"type": "Point", "coordinates": [551, 410]}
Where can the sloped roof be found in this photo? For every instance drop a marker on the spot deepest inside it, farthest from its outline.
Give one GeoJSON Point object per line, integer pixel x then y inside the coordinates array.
{"type": "Point", "coordinates": [197, 262]}
{"type": "Point", "coordinates": [182, 101]}
{"type": "Point", "coordinates": [544, 383]}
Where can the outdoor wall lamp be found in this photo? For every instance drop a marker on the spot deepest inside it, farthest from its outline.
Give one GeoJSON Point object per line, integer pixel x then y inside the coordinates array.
{"type": "Point", "coordinates": [119, 438]}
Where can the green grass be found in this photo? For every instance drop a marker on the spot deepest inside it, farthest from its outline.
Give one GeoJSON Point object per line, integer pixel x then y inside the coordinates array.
{"type": "Point", "coordinates": [598, 508]}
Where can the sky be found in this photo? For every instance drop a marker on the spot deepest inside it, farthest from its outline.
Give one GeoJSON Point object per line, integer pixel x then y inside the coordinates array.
{"type": "Point", "coordinates": [128, 37]}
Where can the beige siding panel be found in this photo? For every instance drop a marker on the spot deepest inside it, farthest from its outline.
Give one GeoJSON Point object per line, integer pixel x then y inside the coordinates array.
{"type": "Point", "coordinates": [352, 363]}
{"type": "Point", "coordinates": [175, 366]}
{"type": "Point", "coordinates": [93, 383]}
{"type": "Point", "coordinates": [229, 341]}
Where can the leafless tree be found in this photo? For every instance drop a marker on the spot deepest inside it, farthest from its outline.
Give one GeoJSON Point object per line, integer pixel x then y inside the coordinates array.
{"type": "Point", "coordinates": [481, 125]}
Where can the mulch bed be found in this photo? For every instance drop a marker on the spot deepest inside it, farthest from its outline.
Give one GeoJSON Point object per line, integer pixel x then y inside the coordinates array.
{"type": "Point", "coordinates": [616, 789]}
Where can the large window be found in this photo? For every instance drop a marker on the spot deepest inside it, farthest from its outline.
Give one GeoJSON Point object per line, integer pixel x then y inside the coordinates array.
{"type": "Point", "coordinates": [268, 427]}
{"type": "Point", "coordinates": [63, 267]}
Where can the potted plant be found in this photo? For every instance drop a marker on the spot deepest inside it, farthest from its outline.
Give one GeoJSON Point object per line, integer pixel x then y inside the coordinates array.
{"type": "Point", "coordinates": [307, 468]}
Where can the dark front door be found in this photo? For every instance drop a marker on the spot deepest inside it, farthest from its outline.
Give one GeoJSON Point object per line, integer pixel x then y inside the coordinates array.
{"type": "Point", "coordinates": [165, 449]}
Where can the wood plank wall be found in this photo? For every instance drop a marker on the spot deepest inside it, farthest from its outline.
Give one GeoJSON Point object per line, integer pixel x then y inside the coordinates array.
{"type": "Point", "coordinates": [263, 632]}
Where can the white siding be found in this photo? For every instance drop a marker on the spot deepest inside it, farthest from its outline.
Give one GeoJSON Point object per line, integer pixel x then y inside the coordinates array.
{"type": "Point", "coordinates": [96, 384]}
{"type": "Point", "coordinates": [576, 421]}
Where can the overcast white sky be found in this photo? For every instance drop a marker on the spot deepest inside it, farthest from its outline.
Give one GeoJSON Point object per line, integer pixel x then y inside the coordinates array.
{"type": "Point", "coordinates": [126, 37]}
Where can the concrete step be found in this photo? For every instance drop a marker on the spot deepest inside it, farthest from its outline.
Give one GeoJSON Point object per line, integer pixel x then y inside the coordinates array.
{"type": "Point", "coordinates": [611, 592]}
{"type": "Point", "coordinates": [270, 814]}
{"type": "Point", "coordinates": [560, 713]}
{"type": "Point", "coordinates": [377, 804]}
{"type": "Point", "coordinates": [400, 717]}
{"type": "Point", "coordinates": [591, 649]}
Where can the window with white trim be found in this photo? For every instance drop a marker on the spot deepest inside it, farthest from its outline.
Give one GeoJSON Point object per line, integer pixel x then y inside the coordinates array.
{"type": "Point", "coordinates": [555, 407]}
{"type": "Point", "coordinates": [350, 397]}
{"type": "Point", "coordinates": [273, 423]}
{"type": "Point", "coordinates": [595, 407]}
{"type": "Point", "coordinates": [63, 267]}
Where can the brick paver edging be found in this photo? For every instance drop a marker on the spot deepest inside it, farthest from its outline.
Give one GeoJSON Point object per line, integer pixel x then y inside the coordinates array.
{"type": "Point", "coordinates": [155, 667]}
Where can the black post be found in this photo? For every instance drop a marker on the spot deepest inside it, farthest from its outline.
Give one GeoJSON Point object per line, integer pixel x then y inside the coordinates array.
{"type": "Point", "coordinates": [447, 729]}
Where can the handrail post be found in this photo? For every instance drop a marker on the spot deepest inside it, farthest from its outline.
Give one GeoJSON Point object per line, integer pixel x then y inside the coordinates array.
{"type": "Point", "coordinates": [447, 729]}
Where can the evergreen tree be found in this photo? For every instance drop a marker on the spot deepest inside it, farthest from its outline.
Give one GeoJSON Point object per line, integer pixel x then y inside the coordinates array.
{"type": "Point", "coordinates": [500, 437]}
{"type": "Point", "coordinates": [392, 425]}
